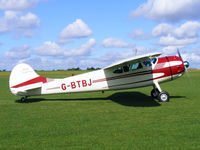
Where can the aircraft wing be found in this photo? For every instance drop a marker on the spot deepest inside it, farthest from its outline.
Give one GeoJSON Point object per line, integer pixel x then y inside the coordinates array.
{"type": "Point", "coordinates": [134, 59]}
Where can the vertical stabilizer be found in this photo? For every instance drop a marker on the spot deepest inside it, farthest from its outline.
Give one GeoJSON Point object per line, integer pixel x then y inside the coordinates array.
{"type": "Point", "coordinates": [23, 78]}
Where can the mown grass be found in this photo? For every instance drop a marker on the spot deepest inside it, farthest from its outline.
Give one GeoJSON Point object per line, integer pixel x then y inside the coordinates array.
{"type": "Point", "coordinates": [127, 119]}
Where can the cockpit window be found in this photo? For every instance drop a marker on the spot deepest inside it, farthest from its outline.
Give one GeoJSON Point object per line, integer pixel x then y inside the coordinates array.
{"type": "Point", "coordinates": [118, 70]}
{"type": "Point", "coordinates": [147, 63]}
{"type": "Point", "coordinates": [136, 66]}
{"type": "Point", "coordinates": [153, 60]}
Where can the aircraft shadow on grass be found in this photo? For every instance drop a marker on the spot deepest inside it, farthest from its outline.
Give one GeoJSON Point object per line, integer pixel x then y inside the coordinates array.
{"type": "Point", "coordinates": [135, 99]}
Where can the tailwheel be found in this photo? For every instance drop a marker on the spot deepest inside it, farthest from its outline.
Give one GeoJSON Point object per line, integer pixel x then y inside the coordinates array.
{"type": "Point", "coordinates": [23, 99]}
{"type": "Point", "coordinates": [154, 93]}
{"type": "Point", "coordinates": [163, 97]}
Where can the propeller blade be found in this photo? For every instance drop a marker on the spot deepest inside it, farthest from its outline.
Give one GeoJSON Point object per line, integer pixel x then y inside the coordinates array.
{"type": "Point", "coordinates": [186, 65]}
{"type": "Point", "coordinates": [179, 54]}
{"type": "Point", "coordinates": [187, 73]}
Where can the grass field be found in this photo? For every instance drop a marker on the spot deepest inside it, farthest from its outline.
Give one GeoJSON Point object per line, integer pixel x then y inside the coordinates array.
{"type": "Point", "coordinates": [127, 119]}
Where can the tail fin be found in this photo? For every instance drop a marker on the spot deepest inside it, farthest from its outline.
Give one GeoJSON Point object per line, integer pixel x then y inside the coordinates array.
{"type": "Point", "coordinates": [23, 78]}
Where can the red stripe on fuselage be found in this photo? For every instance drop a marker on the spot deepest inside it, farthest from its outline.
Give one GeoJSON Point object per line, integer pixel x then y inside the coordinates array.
{"type": "Point", "coordinates": [32, 81]}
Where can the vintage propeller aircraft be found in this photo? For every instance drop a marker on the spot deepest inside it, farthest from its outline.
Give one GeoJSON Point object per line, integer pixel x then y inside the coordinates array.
{"type": "Point", "coordinates": [138, 71]}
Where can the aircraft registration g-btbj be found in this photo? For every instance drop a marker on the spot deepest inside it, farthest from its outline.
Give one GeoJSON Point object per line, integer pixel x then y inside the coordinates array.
{"type": "Point", "coordinates": [138, 71]}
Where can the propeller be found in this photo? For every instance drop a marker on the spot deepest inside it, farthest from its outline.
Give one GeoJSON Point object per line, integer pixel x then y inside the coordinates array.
{"type": "Point", "coordinates": [186, 65]}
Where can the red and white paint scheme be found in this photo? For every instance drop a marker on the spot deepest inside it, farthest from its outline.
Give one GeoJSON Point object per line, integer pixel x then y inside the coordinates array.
{"type": "Point", "coordinates": [138, 71]}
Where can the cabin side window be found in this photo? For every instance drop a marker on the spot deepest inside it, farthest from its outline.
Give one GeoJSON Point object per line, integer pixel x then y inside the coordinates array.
{"type": "Point", "coordinates": [147, 63]}
{"type": "Point", "coordinates": [118, 70]}
{"type": "Point", "coordinates": [126, 68]}
{"type": "Point", "coordinates": [136, 66]}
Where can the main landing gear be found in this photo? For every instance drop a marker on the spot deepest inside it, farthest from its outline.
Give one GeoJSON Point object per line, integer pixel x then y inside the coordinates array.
{"type": "Point", "coordinates": [162, 96]}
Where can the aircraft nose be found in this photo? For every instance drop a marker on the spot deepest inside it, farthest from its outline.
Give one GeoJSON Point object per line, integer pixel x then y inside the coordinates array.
{"type": "Point", "coordinates": [186, 64]}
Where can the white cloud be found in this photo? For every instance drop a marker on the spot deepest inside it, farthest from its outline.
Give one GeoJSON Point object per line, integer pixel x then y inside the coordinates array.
{"type": "Point", "coordinates": [162, 30]}
{"type": "Point", "coordinates": [20, 52]}
{"type": "Point", "coordinates": [45, 63]}
{"type": "Point", "coordinates": [111, 56]}
{"type": "Point", "coordinates": [189, 29]}
{"type": "Point", "coordinates": [18, 5]}
{"type": "Point", "coordinates": [28, 20]}
{"type": "Point", "coordinates": [64, 41]}
{"type": "Point", "coordinates": [116, 43]}
{"type": "Point", "coordinates": [11, 57]}
{"type": "Point", "coordinates": [7, 22]}
{"type": "Point", "coordinates": [140, 50]}
{"type": "Point", "coordinates": [40, 63]}
{"type": "Point", "coordinates": [53, 49]}
{"type": "Point", "coordinates": [106, 59]}
{"type": "Point", "coordinates": [169, 10]}
{"type": "Point", "coordinates": [139, 34]}
{"type": "Point", "coordinates": [77, 57]}
{"type": "Point", "coordinates": [197, 51]}
{"type": "Point", "coordinates": [77, 29]}
{"type": "Point", "coordinates": [85, 49]}
{"type": "Point", "coordinates": [168, 50]}
{"type": "Point", "coordinates": [192, 58]}
{"type": "Point", "coordinates": [91, 62]}
{"type": "Point", "coordinates": [18, 23]}
{"type": "Point", "coordinates": [171, 35]}
{"type": "Point", "coordinates": [172, 41]}
{"type": "Point", "coordinates": [49, 49]}
{"type": "Point", "coordinates": [63, 58]}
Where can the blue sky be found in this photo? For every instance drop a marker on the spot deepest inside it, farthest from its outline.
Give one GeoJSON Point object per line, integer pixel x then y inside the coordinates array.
{"type": "Point", "coordinates": [50, 34]}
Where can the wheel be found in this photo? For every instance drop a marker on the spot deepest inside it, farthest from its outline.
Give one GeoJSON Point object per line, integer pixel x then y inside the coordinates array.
{"type": "Point", "coordinates": [23, 99]}
{"type": "Point", "coordinates": [155, 93]}
{"type": "Point", "coordinates": [163, 97]}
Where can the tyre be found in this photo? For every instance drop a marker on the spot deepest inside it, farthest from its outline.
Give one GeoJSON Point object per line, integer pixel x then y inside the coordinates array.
{"type": "Point", "coordinates": [23, 99]}
{"type": "Point", "coordinates": [163, 97]}
{"type": "Point", "coordinates": [155, 93]}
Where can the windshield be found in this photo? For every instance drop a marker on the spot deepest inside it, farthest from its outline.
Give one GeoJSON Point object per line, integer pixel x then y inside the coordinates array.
{"type": "Point", "coordinates": [153, 60]}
